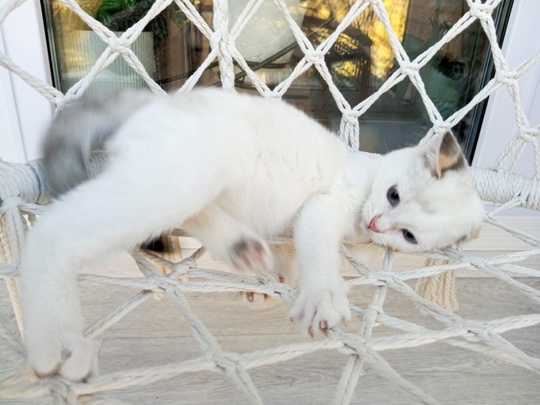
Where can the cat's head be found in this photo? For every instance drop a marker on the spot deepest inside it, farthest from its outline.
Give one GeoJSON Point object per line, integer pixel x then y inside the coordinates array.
{"type": "Point", "coordinates": [423, 198]}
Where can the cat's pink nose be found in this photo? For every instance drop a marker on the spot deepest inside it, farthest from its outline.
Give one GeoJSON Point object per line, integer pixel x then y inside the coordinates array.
{"type": "Point", "coordinates": [373, 224]}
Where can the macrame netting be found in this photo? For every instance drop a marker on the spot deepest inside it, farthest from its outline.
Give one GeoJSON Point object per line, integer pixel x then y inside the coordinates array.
{"type": "Point", "coordinates": [21, 199]}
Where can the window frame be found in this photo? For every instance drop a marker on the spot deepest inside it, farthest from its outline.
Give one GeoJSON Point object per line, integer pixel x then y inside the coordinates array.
{"type": "Point", "coordinates": [25, 111]}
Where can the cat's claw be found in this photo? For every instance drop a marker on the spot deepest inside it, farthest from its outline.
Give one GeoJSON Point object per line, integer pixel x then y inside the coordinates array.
{"type": "Point", "coordinates": [258, 298]}
{"type": "Point", "coordinates": [318, 310]}
{"type": "Point", "coordinates": [323, 327]}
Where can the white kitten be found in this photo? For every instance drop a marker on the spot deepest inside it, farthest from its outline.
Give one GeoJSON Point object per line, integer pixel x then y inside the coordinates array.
{"type": "Point", "coordinates": [231, 170]}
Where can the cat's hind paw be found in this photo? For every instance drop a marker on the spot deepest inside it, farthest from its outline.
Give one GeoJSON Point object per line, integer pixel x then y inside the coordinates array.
{"type": "Point", "coordinates": [69, 355]}
{"type": "Point", "coordinates": [319, 309]}
{"type": "Point", "coordinates": [252, 254]}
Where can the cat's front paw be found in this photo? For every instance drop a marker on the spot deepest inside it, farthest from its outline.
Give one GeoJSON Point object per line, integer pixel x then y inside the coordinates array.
{"type": "Point", "coordinates": [60, 352]}
{"type": "Point", "coordinates": [319, 308]}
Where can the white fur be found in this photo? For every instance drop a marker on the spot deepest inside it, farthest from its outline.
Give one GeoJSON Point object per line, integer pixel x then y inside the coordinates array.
{"type": "Point", "coordinates": [230, 169]}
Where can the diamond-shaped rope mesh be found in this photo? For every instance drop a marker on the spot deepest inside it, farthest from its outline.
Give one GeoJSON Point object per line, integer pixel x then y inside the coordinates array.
{"type": "Point", "coordinates": [21, 191]}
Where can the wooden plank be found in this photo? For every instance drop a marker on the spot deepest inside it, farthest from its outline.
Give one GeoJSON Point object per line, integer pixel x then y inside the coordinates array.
{"type": "Point", "coordinates": [155, 333]}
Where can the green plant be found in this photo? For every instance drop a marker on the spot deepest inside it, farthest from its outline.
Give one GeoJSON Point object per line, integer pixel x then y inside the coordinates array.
{"type": "Point", "coordinates": [119, 15]}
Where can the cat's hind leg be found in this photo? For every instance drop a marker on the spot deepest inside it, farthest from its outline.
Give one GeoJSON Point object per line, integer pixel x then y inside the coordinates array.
{"type": "Point", "coordinates": [110, 213]}
{"type": "Point", "coordinates": [231, 241]}
{"type": "Point", "coordinates": [235, 244]}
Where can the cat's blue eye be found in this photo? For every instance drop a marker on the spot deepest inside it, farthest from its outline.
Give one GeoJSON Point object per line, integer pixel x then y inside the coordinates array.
{"type": "Point", "coordinates": [392, 196]}
{"type": "Point", "coordinates": [409, 237]}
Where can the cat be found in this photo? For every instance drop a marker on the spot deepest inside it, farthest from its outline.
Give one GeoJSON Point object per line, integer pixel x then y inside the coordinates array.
{"type": "Point", "coordinates": [230, 169]}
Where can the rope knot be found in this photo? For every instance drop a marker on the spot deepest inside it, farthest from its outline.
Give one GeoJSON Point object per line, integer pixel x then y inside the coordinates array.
{"type": "Point", "coordinates": [118, 45]}
{"type": "Point", "coordinates": [441, 127]}
{"type": "Point", "coordinates": [60, 101]}
{"type": "Point", "coordinates": [529, 134]}
{"type": "Point", "coordinates": [408, 68]}
{"type": "Point", "coordinates": [316, 57]}
{"type": "Point", "coordinates": [215, 40]}
{"type": "Point", "coordinates": [349, 129]}
{"type": "Point", "coordinates": [222, 360]}
{"type": "Point", "coordinates": [480, 10]}
{"type": "Point", "coordinates": [10, 203]}
{"type": "Point", "coordinates": [350, 117]}
{"type": "Point", "coordinates": [372, 312]}
{"type": "Point", "coordinates": [507, 77]}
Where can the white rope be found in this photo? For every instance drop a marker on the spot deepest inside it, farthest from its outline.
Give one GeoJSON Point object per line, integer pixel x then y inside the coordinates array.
{"type": "Point", "coordinates": [221, 41]}
{"type": "Point", "coordinates": [22, 197]}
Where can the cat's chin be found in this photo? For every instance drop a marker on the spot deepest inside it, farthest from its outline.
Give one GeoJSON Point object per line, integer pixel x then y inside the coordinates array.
{"type": "Point", "coordinates": [376, 239]}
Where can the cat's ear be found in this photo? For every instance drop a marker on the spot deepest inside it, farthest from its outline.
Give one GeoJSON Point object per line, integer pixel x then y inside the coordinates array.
{"type": "Point", "coordinates": [443, 153]}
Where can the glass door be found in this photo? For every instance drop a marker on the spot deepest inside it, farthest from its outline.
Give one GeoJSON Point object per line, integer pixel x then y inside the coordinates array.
{"type": "Point", "coordinates": [171, 47]}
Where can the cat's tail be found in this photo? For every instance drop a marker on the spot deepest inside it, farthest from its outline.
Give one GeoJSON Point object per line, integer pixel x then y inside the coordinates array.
{"type": "Point", "coordinates": [80, 129]}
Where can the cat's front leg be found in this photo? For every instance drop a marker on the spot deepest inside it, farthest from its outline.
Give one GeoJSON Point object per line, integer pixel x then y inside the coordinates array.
{"type": "Point", "coordinates": [321, 301]}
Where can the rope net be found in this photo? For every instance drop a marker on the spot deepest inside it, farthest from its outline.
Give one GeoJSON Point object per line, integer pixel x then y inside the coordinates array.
{"type": "Point", "coordinates": [21, 199]}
